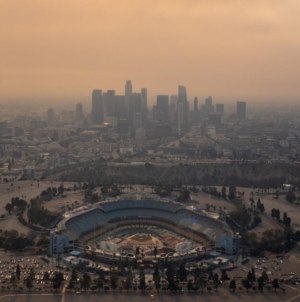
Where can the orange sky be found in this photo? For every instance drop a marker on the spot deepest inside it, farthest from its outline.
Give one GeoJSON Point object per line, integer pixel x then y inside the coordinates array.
{"type": "Point", "coordinates": [230, 49]}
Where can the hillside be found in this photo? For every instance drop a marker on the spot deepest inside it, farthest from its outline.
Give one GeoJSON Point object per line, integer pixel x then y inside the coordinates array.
{"type": "Point", "coordinates": [246, 174]}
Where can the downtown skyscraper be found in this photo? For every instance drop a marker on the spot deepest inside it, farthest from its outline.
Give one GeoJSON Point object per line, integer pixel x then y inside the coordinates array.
{"type": "Point", "coordinates": [97, 107]}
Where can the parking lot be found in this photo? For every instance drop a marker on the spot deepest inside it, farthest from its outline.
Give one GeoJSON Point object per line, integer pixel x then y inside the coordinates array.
{"type": "Point", "coordinates": [8, 266]}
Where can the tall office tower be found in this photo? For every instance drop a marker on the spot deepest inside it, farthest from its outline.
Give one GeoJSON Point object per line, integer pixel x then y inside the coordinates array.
{"type": "Point", "coordinates": [182, 99]}
{"type": "Point", "coordinates": [50, 113]}
{"type": "Point", "coordinates": [182, 94]}
{"type": "Point", "coordinates": [110, 103]}
{"type": "Point", "coordinates": [180, 113]}
{"type": "Point", "coordinates": [50, 117]}
{"type": "Point", "coordinates": [209, 105]}
{"type": "Point", "coordinates": [137, 120]}
{"type": "Point", "coordinates": [104, 96]}
{"type": "Point", "coordinates": [145, 103]}
{"type": "Point", "coordinates": [174, 101]}
{"type": "Point", "coordinates": [195, 109]}
{"type": "Point", "coordinates": [128, 92]}
{"type": "Point", "coordinates": [79, 111]}
{"type": "Point", "coordinates": [162, 104]}
{"type": "Point", "coordinates": [208, 101]}
{"type": "Point", "coordinates": [158, 115]}
{"type": "Point", "coordinates": [220, 108]}
{"type": "Point", "coordinates": [215, 119]}
{"type": "Point", "coordinates": [135, 105]}
{"type": "Point", "coordinates": [97, 107]}
{"type": "Point", "coordinates": [241, 110]}
{"type": "Point", "coordinates": [79, 118]}
{"type": "Point", "coordinates": [120, 106]}
{"type": "Point", "coordinates": [172, 113]}
{"type": "Point", "coordinates": [196, 104]}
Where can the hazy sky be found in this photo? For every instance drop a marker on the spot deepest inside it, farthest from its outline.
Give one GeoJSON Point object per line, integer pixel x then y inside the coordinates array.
{"type": "Point", "coordinates": [230, 49]}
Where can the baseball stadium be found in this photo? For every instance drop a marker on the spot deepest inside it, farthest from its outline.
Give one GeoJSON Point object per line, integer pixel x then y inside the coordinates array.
{"type": "Point", "coordinates": [118, 226]}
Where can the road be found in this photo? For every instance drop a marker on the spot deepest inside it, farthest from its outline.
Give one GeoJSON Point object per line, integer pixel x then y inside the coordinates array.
{"type": "Point", "coordinates": [224, 295]}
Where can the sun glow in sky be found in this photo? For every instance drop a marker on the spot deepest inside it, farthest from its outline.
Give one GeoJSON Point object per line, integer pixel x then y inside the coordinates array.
{"type": "Point", "coordinates": [232, 50]}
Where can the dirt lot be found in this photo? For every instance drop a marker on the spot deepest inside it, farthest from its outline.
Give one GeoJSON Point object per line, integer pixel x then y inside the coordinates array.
{"type": "Point", "coordinates": [202, 199]}
{"type": "Point", "coordinates": [10, 222]}
{"type": "Point", "coordinates": [27, 190]}
{"type": "Point", "coordinates": [269, 202]}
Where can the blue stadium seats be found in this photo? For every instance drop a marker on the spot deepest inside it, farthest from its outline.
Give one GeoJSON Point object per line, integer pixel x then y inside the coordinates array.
{"type": "Point", "coordinates": [130, 208]}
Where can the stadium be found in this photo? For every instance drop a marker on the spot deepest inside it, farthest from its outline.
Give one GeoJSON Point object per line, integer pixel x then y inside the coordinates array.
{"type": "Point", "coordinates": [118, 226]}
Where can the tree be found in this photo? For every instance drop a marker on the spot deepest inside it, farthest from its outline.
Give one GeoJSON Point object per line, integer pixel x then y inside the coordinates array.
{"type": "Point", "coordinates": [258, 205]}
{"type": "Point", "coordinates": [224, 276]}
{"type": "Point", "coordinates": [182, 273]}
{"type": "Point", "coordinates": [277, 214]}
{"type": "Point", "coordinates": [246, 284]}
{"type": "Point", "coordinates": [137, 251]}
{"type": "Point", "coordinates": [29, 284]}
{"type": "Point", "coordinates": [74, 275]}
{"type": "Point", "coordinates": [71, 284]}
{"type": "Point", "coordinates": [114, 281]}
{"type": "Point", "coordinates": [46, 276]}
{"type": "Point", "coordinates": [275, 284]}
{"type": "Point", "coordinates": [189, 285]}
{"type": "Point", "coordinates": [264, 276]}
{"type": "Point", "coordinates": [8, 207]}
{"type": "Point", "coordinates": [57, 280]}
{"type": "Point", "coordinates": [224, 192]}
{"type": "Point", "coordinates": [284, 218]}
{"type": "Point", "coordinates": [202, 281]}
{"type": "Point", "coordinates": [142, 284]}
{"type": "Point", "coordinates": [260, 283]}
{"type": "Point", "coordinates": [61, 189]}
{"type": "Point", "coordinates": [216, 281]}
{"type": "Point", "coordinates": [32, 274]}
{"type": "Point", "coordinates": [99, 282]}
{"type": "Point", "coordinates": [297, 236]}
{"type": "Point", "coordinates": [18, 271]}
{"type": "Point", "coordinates": [54, 190]}
{"type": "Point", "coordinates": [232, 285]}
{"type": "Point", "coordinates": [290, 196]}
{"type": "Point", "coordinates": [170, 277]}
{"type": "Point", "coordinates": [232, 192]}
{"type": "Point", "coordinates": [85, 282]}
{"type": "Point", "coordinates": [104, 190]}
{"type": "Point", "coordinates": [156, 279]}
{"type": "Point", "coordinates": [13, 281]}
{"type": "Point", "coordinates": [253, 274]}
